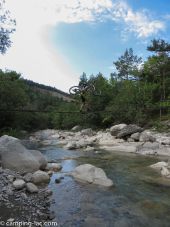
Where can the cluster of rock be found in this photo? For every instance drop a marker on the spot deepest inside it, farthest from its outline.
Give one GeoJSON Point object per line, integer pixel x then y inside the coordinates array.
{"type": "Point", "coordinates": [122, 137]}
{"type": "Point", "coordinates": [23, 175]}
{"type": "Point", "coordinates": [17, 189]}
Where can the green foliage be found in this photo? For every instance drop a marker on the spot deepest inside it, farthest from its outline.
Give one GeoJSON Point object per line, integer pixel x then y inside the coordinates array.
{"type": "Point", "coordinates": [6, 28]}
{"type": "Point", "coordinates": [133, 94]}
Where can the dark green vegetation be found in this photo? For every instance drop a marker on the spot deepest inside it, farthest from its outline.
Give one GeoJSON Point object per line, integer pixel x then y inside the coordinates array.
{"type": "Point", "coordinates": [135, 93]}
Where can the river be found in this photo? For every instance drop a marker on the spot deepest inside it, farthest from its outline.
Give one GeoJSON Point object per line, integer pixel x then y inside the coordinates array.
{"type": "Point", "coordinates": [132, 202]}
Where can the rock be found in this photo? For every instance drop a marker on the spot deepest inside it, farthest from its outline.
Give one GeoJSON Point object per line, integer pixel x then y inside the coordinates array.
{"type": "Point", "coordinates": [91, 174]}
{"type": "Point", "coordinates": [57, 181]}
{"type": "Point", "coordinates": [50, 173]}
{"type": "Point", "coordinates": [54, 166]}
{"type": "Point", "coordinates": [146, 136]}
{"type": "Point", "coordinates": [135, 136]}
{"type": "Point", "coordinates": [159, 165]}
{"type": "Point", "coordinates": [87, 132]}
{"type": "Point", "coordinates": [88, 149]}
{"type": "Point", "coordinates": [32, 188]}
{"type": "Point", "coordinates": [114, 130]}
{"type": "Point", "coordinates": [10, 178]}
{"type": "Point", "coordinates": [40, 158]}
{"type": "Point", "coordinates": [164, 171]}
{"type": "Point", "coordinates": [120, 148]}
{"type": "Point", "coordinates": [150, 145]}
{"type": "Point", "coordinates": [71, 145]}
{"type": "Point", "coordinates": [76, 128]}
{"type": "Point", "coordinates": [28, 177]}
{"type": "Point", "coordinates": [19, 184]}
{"type": "Point", "coordinates": [16, 157]}
{"type": "Point", "coordinates": [130, 140]}
{"type": "Point", "coordinates": [128, 131]}
{"type": "Point", "coordinates": [40, 177]}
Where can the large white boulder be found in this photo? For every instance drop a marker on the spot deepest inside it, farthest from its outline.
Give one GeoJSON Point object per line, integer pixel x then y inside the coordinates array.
{"type": "Point", "coordinates": [91, 174]}
{"type": "Point", "coordinates": [16, 157]}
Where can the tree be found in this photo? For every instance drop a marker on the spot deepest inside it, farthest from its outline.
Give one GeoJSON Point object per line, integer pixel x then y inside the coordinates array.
{"type": "Point", "coordinates": [127, 65]}
{"type": "Point", "coordinates": [6, 28]}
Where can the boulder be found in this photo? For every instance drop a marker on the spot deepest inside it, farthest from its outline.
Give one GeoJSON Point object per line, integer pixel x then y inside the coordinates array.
{"type": "Point", "coordinates": [40, 158]}
{"type": "Point", "coordinates": [16, 157]}
{"type": "Point", "coordinates": [40, 177]}
{"type": "Point", "coordinates": [146, 136]}
{"type": "Point", "coordinates": [159, 165]}
{"type": "Point", "coordinates": [18, 184]}
{"type": "Point", "coordinates": [87, 132]}
{"type": "Point", "coordinates": [91, 174]}
{"type": "Point", "coordinates": [32, 188]}
{"type": "Point", "coordinates": [114, 130]}
{"type": "Point", "coordinates": [128, 131]}
{"type": "Point", "coordinates": [54, 167]}
{"type": "Point", "coordinates": [135, 136]}
{"type": "Point", "coordinates": [71, 145]}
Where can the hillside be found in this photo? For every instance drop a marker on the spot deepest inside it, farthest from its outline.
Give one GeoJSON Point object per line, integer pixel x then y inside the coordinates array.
{"type": "Point", "coordinates": [49, 90]}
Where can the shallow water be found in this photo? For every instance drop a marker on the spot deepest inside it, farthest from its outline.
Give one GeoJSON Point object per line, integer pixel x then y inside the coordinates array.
{"type": "Point", "coordinates": [132, 202]}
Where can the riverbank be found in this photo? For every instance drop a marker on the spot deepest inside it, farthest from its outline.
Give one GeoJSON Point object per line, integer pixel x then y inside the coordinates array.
{"type": "Point", "coordinates": [120, 138]}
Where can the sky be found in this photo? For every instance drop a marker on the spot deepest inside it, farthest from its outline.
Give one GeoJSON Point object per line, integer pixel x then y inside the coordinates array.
{"type": "Point", "coordinates": [57, 40]}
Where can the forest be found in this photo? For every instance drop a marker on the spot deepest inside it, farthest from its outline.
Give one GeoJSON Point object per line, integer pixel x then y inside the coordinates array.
{"type": "Point", "coordinates": [137, 92]}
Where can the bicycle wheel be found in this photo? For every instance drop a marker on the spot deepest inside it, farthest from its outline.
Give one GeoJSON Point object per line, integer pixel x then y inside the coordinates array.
{"type": "Point", "coordinates": [74, 90]}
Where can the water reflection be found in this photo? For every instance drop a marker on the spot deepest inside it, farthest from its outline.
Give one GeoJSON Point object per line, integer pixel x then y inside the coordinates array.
{"type": "Point", "coordinates": [133, 202]}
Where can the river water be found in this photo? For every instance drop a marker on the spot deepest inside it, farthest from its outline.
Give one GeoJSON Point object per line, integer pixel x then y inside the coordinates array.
{"type": "Point", "coordinates": [134, 201]}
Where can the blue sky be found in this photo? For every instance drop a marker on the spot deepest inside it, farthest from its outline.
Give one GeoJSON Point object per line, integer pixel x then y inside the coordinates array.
{"type": "Point", "coordinates": [62, 39]}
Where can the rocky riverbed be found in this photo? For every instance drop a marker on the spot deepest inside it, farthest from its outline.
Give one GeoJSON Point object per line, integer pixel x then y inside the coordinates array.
{"type": "Point", "coordinates": [25, 173]}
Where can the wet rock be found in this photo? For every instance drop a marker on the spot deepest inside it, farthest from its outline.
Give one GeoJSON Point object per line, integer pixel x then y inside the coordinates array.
{"type": "Point", "coordinates": [19, 184]}
{"type": "Point", "coordinates": [91, 174]}
{"type": "Point", "coordinates": [32, 188]}
{"type": "Point", "coordinates": [54, 167]}
{"type": "Point", "coordinates": [40, 177]}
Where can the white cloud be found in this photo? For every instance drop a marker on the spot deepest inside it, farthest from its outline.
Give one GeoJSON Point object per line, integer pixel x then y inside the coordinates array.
{"type": "Point", "coordinates": [138, 22]}
{"type": "Point", "coordinates": [32, 53]}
